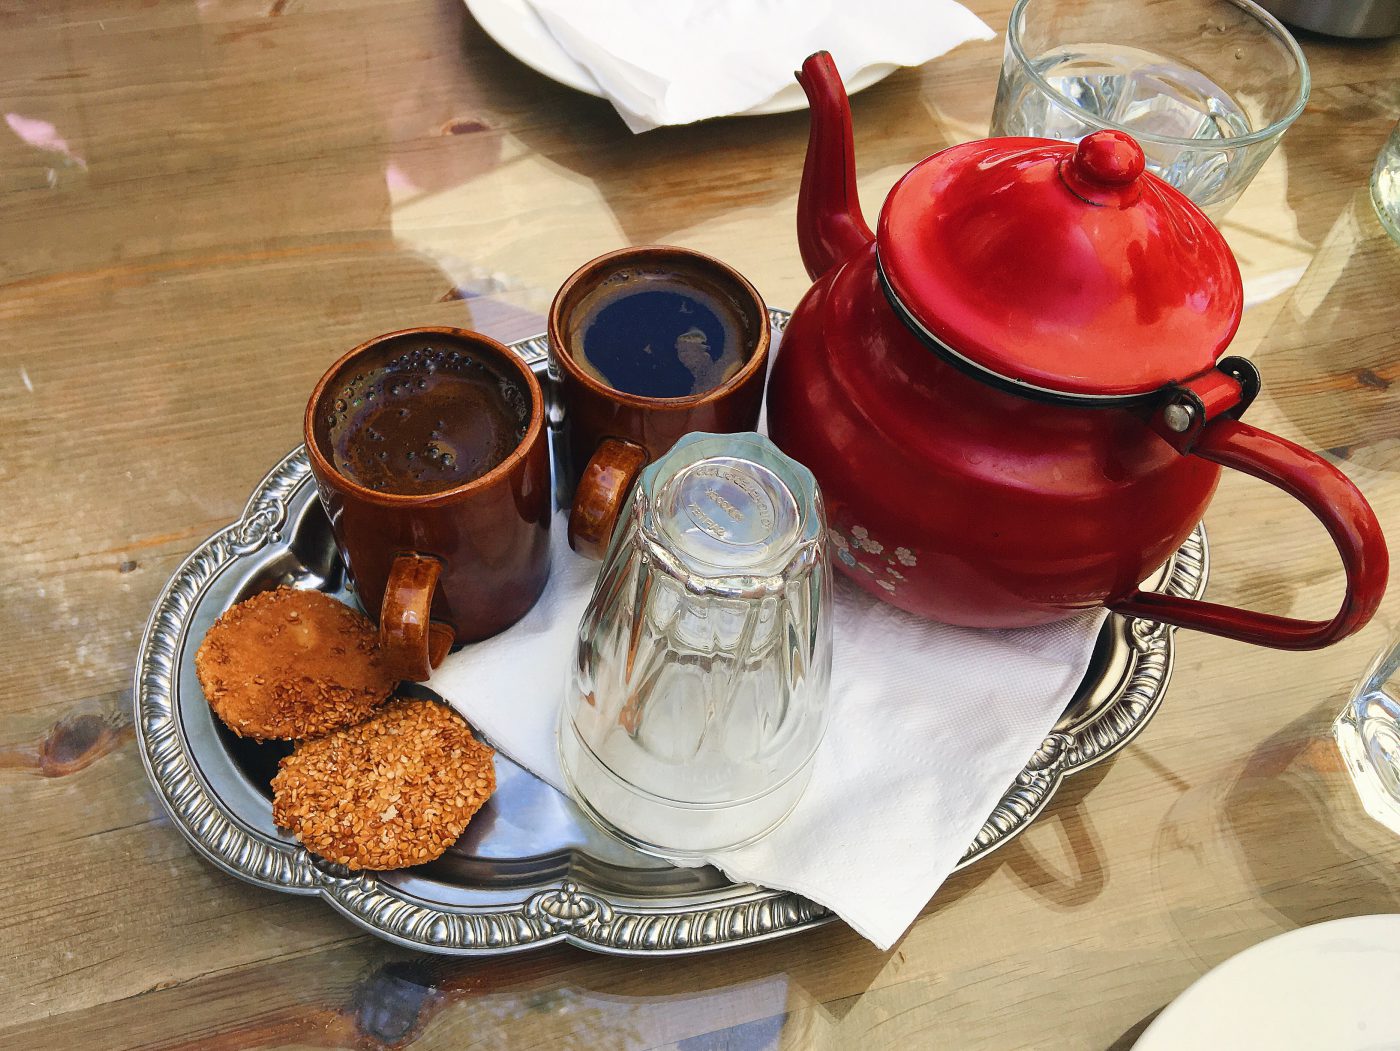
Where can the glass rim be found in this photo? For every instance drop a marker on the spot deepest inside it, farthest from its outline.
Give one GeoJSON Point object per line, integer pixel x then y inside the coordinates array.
{"type": "Point", "coordinates": [804, 766]}
{"type": "Point", "coordinates": [1271, 130]}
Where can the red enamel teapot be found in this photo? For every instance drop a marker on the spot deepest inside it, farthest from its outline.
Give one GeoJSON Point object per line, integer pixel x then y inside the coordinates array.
{"type": "Point", "coordinates": [1013, 394]}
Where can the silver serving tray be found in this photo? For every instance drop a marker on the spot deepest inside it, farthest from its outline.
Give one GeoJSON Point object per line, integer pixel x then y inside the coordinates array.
{"type": "Point", "coordinates": [531, 869]}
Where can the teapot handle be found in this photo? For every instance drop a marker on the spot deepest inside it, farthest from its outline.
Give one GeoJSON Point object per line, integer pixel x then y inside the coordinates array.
{"type": "Point", "coordinates": [1330, 496]}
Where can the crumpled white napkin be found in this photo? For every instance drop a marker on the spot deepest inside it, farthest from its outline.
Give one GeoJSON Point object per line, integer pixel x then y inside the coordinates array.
{"type": "Point", "coordinates": [677, 61]}
{"type": "Point", "coordinates": [930, 725]}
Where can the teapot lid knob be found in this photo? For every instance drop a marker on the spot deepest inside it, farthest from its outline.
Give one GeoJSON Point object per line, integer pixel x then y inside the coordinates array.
{"type": "Point", "coordinates": [1109, 158]}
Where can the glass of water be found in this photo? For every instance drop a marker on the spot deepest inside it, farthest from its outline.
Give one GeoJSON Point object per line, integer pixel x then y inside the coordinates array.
{"type": "Point", "coordinates": [1207, 87]}
{"type": "Point", "coordinates": [698, 690]}
{"type": "Point", "coordinates": [1368, 735]}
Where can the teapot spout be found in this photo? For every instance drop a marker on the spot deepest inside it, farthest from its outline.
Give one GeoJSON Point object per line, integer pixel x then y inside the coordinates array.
{"type": "Point", "coordinates": [830, 227]}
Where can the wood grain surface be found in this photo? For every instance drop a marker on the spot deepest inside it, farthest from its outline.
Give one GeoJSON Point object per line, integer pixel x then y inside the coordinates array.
{"type": "Point", "coordinates": [203, 203]}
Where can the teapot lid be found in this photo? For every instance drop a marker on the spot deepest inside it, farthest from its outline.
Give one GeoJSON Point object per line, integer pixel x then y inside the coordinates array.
{"type": "Point", "coordinates": [1058, 270]}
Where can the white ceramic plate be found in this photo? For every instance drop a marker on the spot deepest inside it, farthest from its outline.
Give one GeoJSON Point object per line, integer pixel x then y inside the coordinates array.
{"type": "Point", "coordinates": [1332, 986]}
{"type": "Point", "coordinates": [514, 25]}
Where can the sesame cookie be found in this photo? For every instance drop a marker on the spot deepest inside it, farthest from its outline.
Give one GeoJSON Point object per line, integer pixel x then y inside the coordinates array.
{"type": "Point", "coordinates": [395, 790]}
{"type": "Point", "coordinates": [291, 664]}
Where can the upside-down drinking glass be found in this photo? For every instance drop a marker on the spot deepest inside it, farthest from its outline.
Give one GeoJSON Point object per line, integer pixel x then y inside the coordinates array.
{"type": "Point", "coordinates": [1207, 87]}
{"type": "Point", "coordinates": [698, 690]}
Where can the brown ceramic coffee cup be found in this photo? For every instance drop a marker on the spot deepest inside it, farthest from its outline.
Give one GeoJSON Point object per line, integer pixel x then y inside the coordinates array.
{"type": "Point", "coordinates": [648, 344]}
{"type": "Point", "coordinates": [438, 494]}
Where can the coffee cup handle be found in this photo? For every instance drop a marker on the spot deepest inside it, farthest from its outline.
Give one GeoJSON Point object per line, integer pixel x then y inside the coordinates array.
{"type": "Point", "coordinates": [411, 642]}
{"type": "Point", "coordinates": [602, 490]}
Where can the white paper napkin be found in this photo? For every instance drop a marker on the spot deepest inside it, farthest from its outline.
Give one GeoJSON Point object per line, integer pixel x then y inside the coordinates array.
{"type": "Point", "coordinates": [677, 61]}
{"type": "Point", "coordinates": [930, 725]}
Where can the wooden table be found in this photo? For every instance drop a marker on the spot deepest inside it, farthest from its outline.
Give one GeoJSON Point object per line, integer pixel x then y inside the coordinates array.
{"type": "Point", "coordinates": [205, 202]}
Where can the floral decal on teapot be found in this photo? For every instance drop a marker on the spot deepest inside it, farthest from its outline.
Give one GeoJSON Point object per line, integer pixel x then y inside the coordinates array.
{"type": "Point", "coordinates": [887, 565]}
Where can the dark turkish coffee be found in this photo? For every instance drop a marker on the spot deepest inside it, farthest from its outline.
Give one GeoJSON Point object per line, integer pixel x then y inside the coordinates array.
{"type": "Point", "coordinates": [435, 416]}
{"type": "Point", "coordinates": [658, 335]}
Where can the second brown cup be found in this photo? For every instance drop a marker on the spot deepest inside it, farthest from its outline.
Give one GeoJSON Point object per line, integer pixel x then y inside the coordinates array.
{"type": "Point", "coordinates": [432, 463]}
{"type": "Point", "coordinates": [648, 344]}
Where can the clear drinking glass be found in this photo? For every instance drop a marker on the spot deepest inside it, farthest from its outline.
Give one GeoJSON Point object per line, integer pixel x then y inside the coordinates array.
{"type": "Point", "coordinates": [698, 691]}
{"type": "Point", "coordinates": [1385, 184]}
{"type": "Point", "coordinates": [1368, 735]}
{"type": "Point", "coordinates": [1207, 87]}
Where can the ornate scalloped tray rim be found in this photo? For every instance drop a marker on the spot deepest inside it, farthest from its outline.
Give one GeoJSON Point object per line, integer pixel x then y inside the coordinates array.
{"type": "Point", "coordinates": [568, 912]}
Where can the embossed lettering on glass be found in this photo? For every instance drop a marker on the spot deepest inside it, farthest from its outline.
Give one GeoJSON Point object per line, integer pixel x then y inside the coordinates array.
{"type": "Point", "coordinates": [698, 690]}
